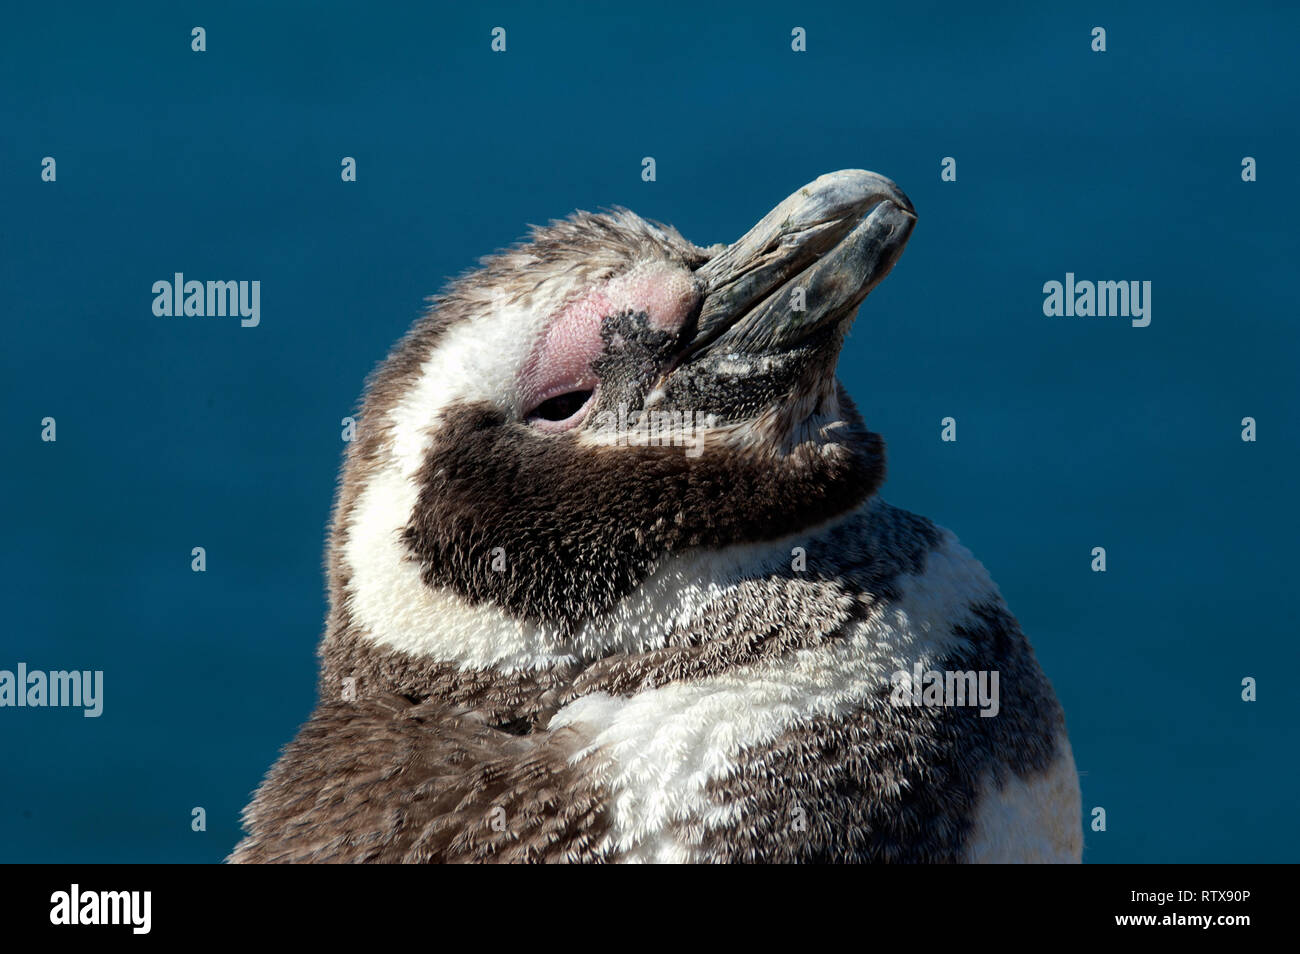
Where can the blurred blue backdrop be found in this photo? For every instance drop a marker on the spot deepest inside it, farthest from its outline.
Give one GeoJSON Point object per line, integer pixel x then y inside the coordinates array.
{"type": "Point", "coordinates": [1073, 433]}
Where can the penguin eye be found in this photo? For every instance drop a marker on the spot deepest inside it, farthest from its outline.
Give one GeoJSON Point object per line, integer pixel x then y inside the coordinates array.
{"type": "Point", "coordinates": [561, 411]}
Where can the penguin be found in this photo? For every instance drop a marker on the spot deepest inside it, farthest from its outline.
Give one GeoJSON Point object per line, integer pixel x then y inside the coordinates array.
{"type": "Point", "coordinates": [610, 580]}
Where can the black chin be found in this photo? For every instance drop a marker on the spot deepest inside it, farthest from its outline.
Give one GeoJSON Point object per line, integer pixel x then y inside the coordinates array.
{"type": "Point", "coordinates": [740, 386]}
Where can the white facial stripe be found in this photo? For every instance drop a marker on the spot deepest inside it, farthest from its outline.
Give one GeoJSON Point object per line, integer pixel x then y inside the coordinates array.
{"type": "Point", "coordinates": [391, 605]}
{"type": "Point", "coordinates": [657, 750]}
{"type": "Point", "coordinates": [475, 360]}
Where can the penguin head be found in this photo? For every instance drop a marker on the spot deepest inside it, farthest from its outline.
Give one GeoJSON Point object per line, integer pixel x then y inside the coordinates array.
{"type": "Point", "coordinates": [607, 394]}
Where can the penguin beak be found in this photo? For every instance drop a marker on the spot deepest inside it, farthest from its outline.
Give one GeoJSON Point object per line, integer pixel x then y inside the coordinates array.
{"type": "Point", "coordinates": [806, 266]}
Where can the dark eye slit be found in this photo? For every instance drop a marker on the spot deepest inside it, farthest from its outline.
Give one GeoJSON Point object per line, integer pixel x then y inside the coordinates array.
{"type": "Point", "coordinates": [562, 406]}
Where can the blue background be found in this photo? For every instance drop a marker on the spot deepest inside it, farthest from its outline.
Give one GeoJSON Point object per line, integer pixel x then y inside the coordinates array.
{"type": "Point", "coordinates": [1073, 433]}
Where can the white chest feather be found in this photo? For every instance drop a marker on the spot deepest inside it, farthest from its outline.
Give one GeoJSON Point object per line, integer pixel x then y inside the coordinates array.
{"type": "Point", "coordinates": [1035, 821]}
{"type": "Point", "coordinates": [658, 750]}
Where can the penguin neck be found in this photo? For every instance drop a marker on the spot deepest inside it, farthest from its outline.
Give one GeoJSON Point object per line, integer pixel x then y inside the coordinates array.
{"type": "Point", "coordinates": [435, 644]}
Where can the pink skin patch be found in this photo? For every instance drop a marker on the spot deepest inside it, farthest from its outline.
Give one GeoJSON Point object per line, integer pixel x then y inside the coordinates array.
{"type": "Point", "coordinates": [561, 361]}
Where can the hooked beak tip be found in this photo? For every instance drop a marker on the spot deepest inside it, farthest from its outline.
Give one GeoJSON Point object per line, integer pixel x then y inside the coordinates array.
{"type": "Point", "coordinates": [835, 239]}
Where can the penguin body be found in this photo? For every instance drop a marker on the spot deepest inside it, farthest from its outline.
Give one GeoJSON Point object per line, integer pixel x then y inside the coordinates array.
{"type": "Point", "coordinates": [554, 636]}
